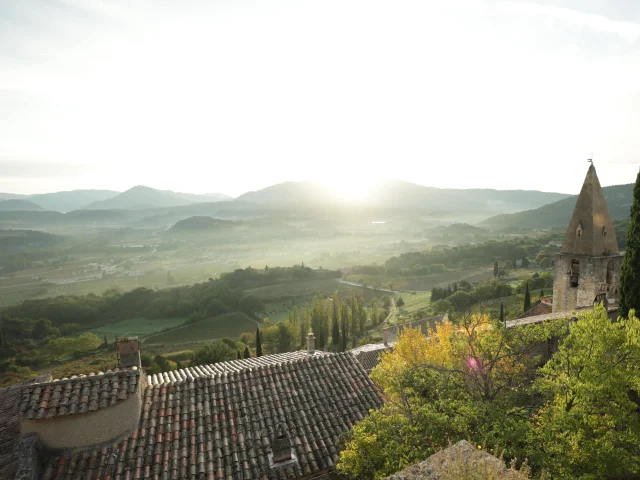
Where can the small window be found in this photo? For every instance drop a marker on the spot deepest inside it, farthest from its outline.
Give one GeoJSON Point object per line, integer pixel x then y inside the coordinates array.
{"type": "Point", "coordinates": [574, 273]}
{"type": "Point", "coordinates": [579, 230]}
{"type": "Point", "coordinates": [604, 232]}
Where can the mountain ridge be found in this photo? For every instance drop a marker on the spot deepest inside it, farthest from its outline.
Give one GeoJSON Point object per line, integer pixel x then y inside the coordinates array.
{"type": "Point", "coordinates": [402, 194]}
{"type": "Point", "coordinates": [20, 205]}
{"type": "Point", "coordinates": [142, 197]}
{"type": "Point", "coordinates": [558, 214]}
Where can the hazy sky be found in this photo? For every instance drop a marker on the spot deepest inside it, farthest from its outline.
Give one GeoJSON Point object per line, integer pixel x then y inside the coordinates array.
{"type": "Point", "coordinates": [233, 95]}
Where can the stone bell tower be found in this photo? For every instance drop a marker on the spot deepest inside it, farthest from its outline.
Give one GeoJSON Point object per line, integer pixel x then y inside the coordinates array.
{"type": "Point", "coordinates": [587, 269]}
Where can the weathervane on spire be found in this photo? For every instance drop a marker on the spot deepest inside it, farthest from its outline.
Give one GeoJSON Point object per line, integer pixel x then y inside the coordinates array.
{"type": "Point", "coordinates": [590, 160]}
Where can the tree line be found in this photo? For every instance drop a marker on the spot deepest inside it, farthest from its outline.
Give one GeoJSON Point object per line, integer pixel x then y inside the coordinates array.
{"type": "Point", "coordinates": [443, 258]}
{"type": "Point", "coordinates": [32, 324]}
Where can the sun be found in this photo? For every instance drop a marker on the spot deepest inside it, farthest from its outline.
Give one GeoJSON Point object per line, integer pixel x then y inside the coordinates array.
{"type": "Point", "coordinates": [349, 189]}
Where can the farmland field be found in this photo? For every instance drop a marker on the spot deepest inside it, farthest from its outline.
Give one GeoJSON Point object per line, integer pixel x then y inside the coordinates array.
{"type": "Point", "coordinates": [296, 289]}
{"type": "Point", "coordinates": [141, 327]}
{"type": "Point", "coordinates": [415, 301]}
{"type": "Point", "coordinates": [425, 282]}
{"type": "Point", "coordinates": [226, 325]}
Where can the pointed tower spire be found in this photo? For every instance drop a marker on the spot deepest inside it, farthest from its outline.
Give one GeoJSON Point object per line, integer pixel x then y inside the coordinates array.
{"type": "Point", "coordinates": [591, 229]}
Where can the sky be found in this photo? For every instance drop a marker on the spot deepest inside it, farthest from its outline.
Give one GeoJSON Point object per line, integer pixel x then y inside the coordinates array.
{"type": "Point", "coordinates": [235, 95]}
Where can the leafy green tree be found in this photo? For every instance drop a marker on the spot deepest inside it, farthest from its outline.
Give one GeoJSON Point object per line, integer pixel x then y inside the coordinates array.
{"type": "Point", "coordinates": [251, 305]}
{"type": "Point", "coordinates": [58, 348]}
{"type": "Point", "coordinates": [466, 381]}
{"type": "Point", "coordinates": [400, 302]}
{"type": "Point", "coordinates": [258, 343]}
{"type": "Point", "coordinates": [590, 425]}
{"type": "Point", "coordinates": [461, 300]}
{"type": "Point", "coordinates": [442, 306]}
{"type": "Point", "coordinates": [247, 353]}
{"type": "Point", "coordinates": [86, 342]}
{"type": "Point", "coordinates": [527, 298]}
{"type": "Point", "coordinates": [629, 297]}
{"type": "Point", "coordinates": [285, 338]}
{"type": "Point", "coordinates": [214, 352]}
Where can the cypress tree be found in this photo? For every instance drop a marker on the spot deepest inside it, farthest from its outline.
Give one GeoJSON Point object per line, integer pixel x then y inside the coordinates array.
{"type": "Point", "coordinates": [239, 356]}
{"type": "Point", "coordinates": [502, 313]}
{"type": "Point", "coordinates": [343, 347]}
{"type": "Point", "coordinates": [258, 343]}
{"type": "Point", "coordinates": [247, 353]}
{"type": "Point", "coordinates": [541, 292]}
{"type": "Point", "coordinates": [321, 340]}
{"type": "Point", "coordinates": [629, 297]}
{"type": "Point", "coordinates": [527, 298]}
{"type": "Point", "coordinates": [335, 331]}
{"type": "Point", "coordinates": [495, 269]}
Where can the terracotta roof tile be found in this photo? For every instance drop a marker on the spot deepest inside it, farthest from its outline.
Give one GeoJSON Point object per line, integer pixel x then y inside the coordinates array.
{"type": "Point", "coordinates": [220, 425]}
{"type": "Point", "coordinates": [231, 366]}
{"type": "Point", "coordinates": [79, 394]}
{"type": "Point", "coordinates": [541, 308]}
{"type": "Point", "coordinates": [370, 355]}
{"type": "Point", "coordinates": [10, 424]}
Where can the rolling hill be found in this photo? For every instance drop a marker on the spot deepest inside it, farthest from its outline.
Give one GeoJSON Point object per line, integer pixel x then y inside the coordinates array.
{"type": "Point", "coordinates": [19, 205]}
{"type": "Point", "coordinates": [71, 200]}
{"type": "Point", "coordinates": [558, 214]}
{"type": "Point", "coordinates": [63, 201]}
{"type": "Point", "coordinates": [198, 224]}
{"type": "Point", "coordinates": [141, 197]}
{"type": "Point", "coordinates": [398, 194]}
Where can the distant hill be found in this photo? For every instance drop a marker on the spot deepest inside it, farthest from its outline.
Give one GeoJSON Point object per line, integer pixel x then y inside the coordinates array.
{"type": "Point", "coordinates": [71, 200]}
{"type": "Point", "coordinates": [198, 224]}
{"type": "Point", "coordinates": [289, 194]}
{"type": "Point", "coordinates": [63, 201]}
{"type": "Point", "coordinates": [9, 196]}
{"type": "Point", "coordinates": [405, 195]}
{"type": "Point", "coordinates": [458, 229]}
{"type": "Point", "coordinates": [558, 214]}
{"type": "Point", "coordinates": [12, 241]}
{"type": "Point", "coordinates": [19, 205]}
{"type": "Point", "coordinates": [141, 197]}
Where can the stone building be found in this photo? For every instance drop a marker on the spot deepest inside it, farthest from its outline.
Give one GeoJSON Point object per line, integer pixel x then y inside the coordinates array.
{"type": "Point", "coordinates": [587, 269]}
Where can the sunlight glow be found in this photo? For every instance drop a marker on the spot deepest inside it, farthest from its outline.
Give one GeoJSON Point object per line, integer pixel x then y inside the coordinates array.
{"type": "Point", "coordinates": [349, 189]}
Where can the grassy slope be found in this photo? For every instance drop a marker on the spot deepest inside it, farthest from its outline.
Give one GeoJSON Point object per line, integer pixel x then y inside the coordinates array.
{"type": "Point", "coordinates": [226, 325]}
{"type": "Point", "coordinates": [423, 283]}
{"type": "Point", "coordinates": [141, 327]}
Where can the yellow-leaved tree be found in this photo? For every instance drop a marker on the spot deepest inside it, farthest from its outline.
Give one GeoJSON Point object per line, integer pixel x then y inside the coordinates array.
{"type": "Point", "coordinates": [464, 380]}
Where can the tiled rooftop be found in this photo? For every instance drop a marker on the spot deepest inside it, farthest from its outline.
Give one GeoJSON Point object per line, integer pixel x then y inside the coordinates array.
{"type": "Point", "coordinates": [10, 424]}
{"type": "Point", "coordinates": [78, 394]}
{"type": "Point", "coordinates": [231, 366]}
{"type": "Point", "coordinates": [220, 425]}
{"type": "Point", "coordinates": [369, 355]}
{"type": "Point", "coordinates": [541, 308]}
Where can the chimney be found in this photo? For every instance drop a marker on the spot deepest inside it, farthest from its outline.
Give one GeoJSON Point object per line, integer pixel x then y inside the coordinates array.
{"type": "Point", "coordinates": [311, 344]}
{"type": "Point", "coordinates": [282, 454]}
{"type": "Point", "coordinates": [385, 336]}
{"type": "Point", "coordinates": [128, 352]}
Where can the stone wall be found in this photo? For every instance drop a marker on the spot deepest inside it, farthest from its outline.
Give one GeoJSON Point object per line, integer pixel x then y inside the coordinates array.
{"type": "Point", "coordinates": [598, 275]}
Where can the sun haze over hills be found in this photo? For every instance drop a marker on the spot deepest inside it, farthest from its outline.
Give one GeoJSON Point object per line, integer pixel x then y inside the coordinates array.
{"type": "Point", "coordinates": [233, 98]}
